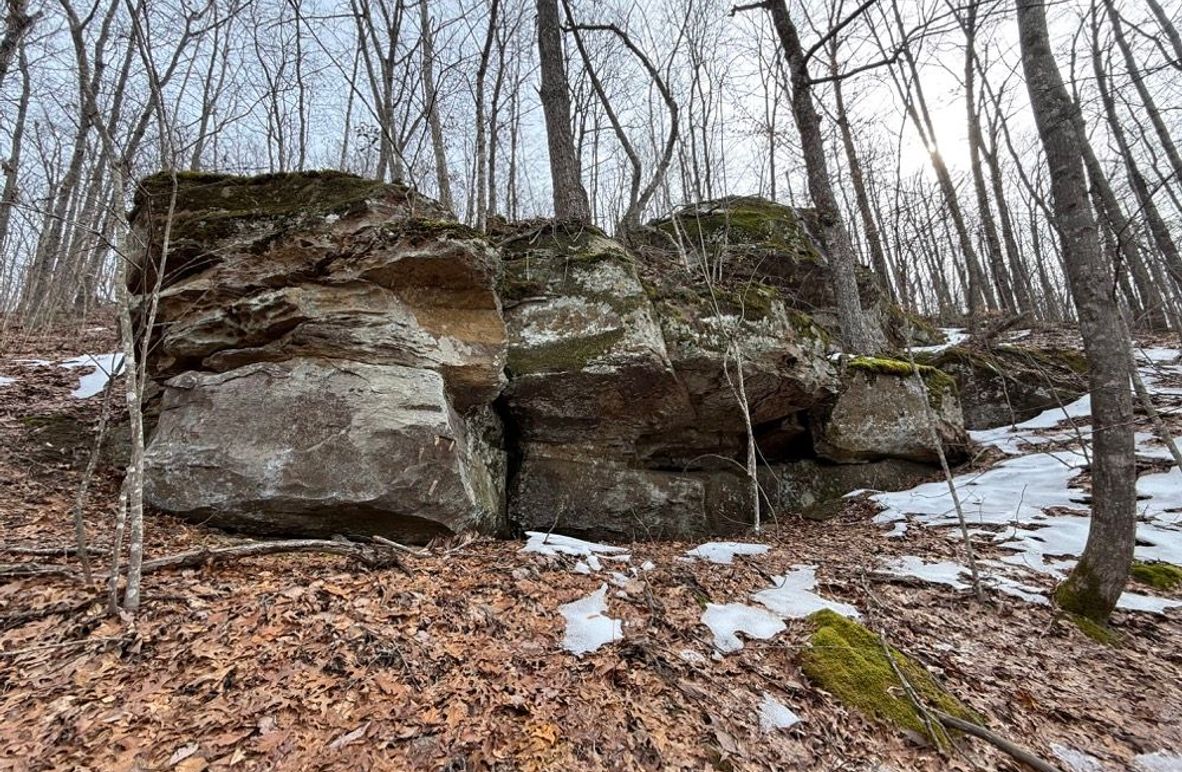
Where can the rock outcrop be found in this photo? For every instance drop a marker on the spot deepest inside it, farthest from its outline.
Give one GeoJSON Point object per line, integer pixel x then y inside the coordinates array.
{"type": "Point", "coordinates": [323, 342]}
{"type": "Point", "coordinates": [339, 356]}
{"type": "Point", "coordinates": [1011, 383]}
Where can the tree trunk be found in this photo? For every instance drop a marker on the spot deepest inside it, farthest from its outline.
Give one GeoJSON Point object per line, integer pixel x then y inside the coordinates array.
{"type": "Point", "coordinates": [1099, 578]}
{"type": "Point", "coordinates": [570, 197]}
{"type": "Point", "coordinates": [856, 330]}
{"type": "Point", "coordinates": [869, 226]}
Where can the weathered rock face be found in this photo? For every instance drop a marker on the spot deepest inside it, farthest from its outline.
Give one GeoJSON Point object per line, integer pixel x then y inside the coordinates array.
{"type": "Point", "coordinates": [814, 488]}
{"type": "Point", "coordinates": [1010, 384]}
{"type": "Point", "coordinates": [626, 393]}
{"type": "Point", "coordinates": [337, 356]}
{"type": "Point", "coordinates": [885, 412]}
{"type": "Point", "coordinates": [747, 237]}
{"type": "Point", "coordinates": [323, 341]}
{"type": "Point", "coordinates": [319, 447]}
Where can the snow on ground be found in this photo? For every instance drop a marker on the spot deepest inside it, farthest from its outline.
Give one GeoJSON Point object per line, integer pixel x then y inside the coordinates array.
{"type": "Point", "coordinates": [102, 367]}
{"type": "Point", "coordinates": [1013, 502]}
{"type": "Point", "coordinates": [792, 596]}
{"type": "Point", "coordinates": [952, 336]}
{"type": "Point", "coordinates": [726, 620]}
{"type": "Point", "coordinates": [774, 714]}
{"type": "Point", "coordinates": [723, 552]}
{"type": "Point", "coordinates": [1158, 761]}
{"type": "Point", "coordinates": [1076, 761]}
{"type": "Point", "coordinates": [587, 625]}
{"type": "Point", "coordinates": [553, 544]}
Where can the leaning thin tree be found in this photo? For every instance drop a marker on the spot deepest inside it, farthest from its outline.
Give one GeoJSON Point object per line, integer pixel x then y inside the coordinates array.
{"type": "Point", "coordinates": [1099, 578]}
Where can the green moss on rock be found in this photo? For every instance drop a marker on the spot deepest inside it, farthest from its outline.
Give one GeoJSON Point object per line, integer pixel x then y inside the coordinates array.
{"type": "Point", "coordinates": [939, 383]}
{"type": "Point", "coordinates": [219, 198]}
{"type": "Point", "coordinates": [849, 661]}
{"type": "Point", "coordinates": [572, 353]}
{"type": "Point", "coordinates": [1157, 574]}
{"type": "Point", "coordinates": [742, 220]}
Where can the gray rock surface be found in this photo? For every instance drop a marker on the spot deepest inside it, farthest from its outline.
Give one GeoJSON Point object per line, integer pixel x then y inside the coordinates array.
{"type": "Point", "coordinates": [884, 413]}
{"type": "Point", "coordinates": [319, 447]}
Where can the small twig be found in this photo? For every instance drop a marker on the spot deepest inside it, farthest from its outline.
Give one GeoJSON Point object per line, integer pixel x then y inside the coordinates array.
{"type": "Point", "coordinates": [418, 553]}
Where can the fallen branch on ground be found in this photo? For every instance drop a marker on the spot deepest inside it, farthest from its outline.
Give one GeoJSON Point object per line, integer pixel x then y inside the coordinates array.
{"type": "Point", "coordinates": [378, 555]}
{"type": "Point", "coordinates": [976, 730]}
{"type": "Point", "coordinates": [369, 555]}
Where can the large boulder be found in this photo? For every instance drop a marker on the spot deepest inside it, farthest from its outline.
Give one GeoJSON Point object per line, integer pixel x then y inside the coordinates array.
{"type": "Point", "coordinates": [886, 411]}
{"type": "Point", "coordinates": [1009, 383]}
{"type": "Point", "coordinates": [321, 447]}
{"type": "Point", "coordinates": [337, 355]}
{"type": "Point", "coordinates": [323, 342]}
{"type": "Point", "coordinates": [627, 386]}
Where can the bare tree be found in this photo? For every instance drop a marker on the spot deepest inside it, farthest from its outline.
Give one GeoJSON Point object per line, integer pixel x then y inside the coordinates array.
{"type": "Point", "coordinates": [857, 331]}
{"type": "Point", "coordinates": [1099, 578]}
{"type": "Point", "coordinates": [570, 197]}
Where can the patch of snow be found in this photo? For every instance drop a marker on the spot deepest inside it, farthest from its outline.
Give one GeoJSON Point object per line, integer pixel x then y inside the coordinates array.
{"type": "Point", "coordinates": [944, 572]}
{"type": "Point", "coordinates": [792, 596]}
{"type": "Point", "coordinates": [554, 544]}
{"type": "Point", "coordinates": [1164, 489]}
{"type": "Point", "coordinates": [5, 381]}
{"type": "Point", "coordinates": [102, 367]}
{"type": "Point", "coordinates": [587, 625]}
{"type": "Point", "coordinates": [1158, 761]}
{"type": "Point", "coordinates": [723, 552]}
{"type": "Point", "coordinates": [33, 362]}
{"type": "Point", "coordinates": [952, 337]}
{"type": "Point", "coordinates": [1076, 761]}
{"type": "Point", "coordinates": [647, 565]}
{"type": "Point", "coordinates": [774, 715]}
{"type": "Point", "coordinates": [1149, 604]}
{"type": "Point", "coordinates": [727, 620]}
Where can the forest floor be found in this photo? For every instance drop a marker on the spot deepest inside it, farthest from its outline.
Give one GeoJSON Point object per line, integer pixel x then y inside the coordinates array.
{"type": "Point", "coordinates": [309, 662]}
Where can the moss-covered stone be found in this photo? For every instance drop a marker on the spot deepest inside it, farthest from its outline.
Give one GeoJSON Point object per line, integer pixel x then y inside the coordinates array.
{"type": "Point", "coordinates": [939, 384]}
{"type": "Point", "coordinates": [849, 661]}
{"type": "Point", "coordinates": [228, 195]}
{"type": "Point", "coordinates": [572, 353]}
{"type": "Point", "coordinates": [1157, 574]}
{"type": "Point", "coordinates": [742, 220]}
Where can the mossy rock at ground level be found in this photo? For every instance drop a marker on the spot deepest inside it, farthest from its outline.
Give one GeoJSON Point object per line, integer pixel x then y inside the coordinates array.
{"type": "Point", "coordinates": [850, 662]}
{"type": "Point", "coordinates": [1157, 574]}
{"type": "Point", "coordinates": [939, 384]}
